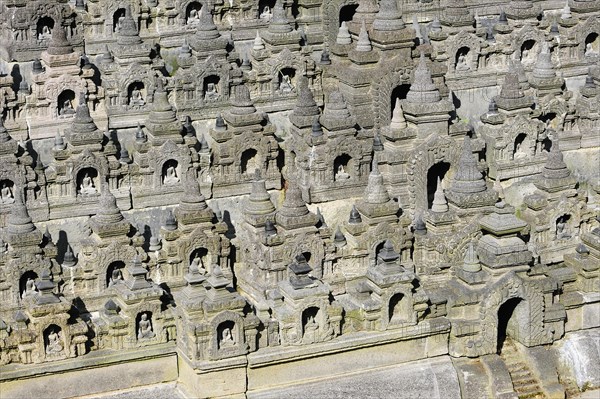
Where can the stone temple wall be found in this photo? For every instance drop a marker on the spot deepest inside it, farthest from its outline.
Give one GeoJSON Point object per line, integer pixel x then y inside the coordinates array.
{"type": "Point", "coordinates": [231, 194]}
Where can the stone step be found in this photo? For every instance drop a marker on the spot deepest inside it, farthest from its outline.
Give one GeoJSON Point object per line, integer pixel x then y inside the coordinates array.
{"type": "Point", "coordinates": [519, 374]}
{"type": "Point", "coordinates": [528, 389]}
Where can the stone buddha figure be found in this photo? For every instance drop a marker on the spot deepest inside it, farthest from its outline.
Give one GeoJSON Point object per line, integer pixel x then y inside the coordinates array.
{"type": "Point", "coordinates": [461, 63]}
{"type": "Point", "coordinates": [30, 288]}
{"type": "Point", "coordinates": [116, 277]}
{"type": "Point", "coordinates": [119, 23]}
{"type": "Point", "coordinates": [286, 84]}
{"type": "Point", "coordinates": [561, 229]}
{"type": "Point", "coordinates": [136, 97]}
{"type": "Point", "coordinates": [171, 176]}
{"type": "Point", "coordinates": [194, 17]}
{"type": "Point", "coordinates": [6, 195]}
{"type": "Point", "coordinates": [67, 108]}
{"type": "Point", "coordinates": [46, 33]}
{"type": "Point", "coordinates": [54, 344]}
{"type": "Point", "coordinates": [227, 337]}
{"type": "Point", "coordinates": [266, 14]}
{"type": "Point", "coordinates": [145, 328]}
{"type": "Point", "coordinates": [197, 265]}
{"type": "Point", "coordinates": [589, 50]}
{"type": "Point", "coordinates": [341, 173]}
{"type": "Point", "coordinates": [520, 151]}
{"type": "Point", "coordinates": [212, 92]}
{"type": "Point", "coordinates": [87, 185]}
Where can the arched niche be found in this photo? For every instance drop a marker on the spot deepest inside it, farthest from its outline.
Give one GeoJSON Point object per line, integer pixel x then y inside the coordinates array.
{"type": "Point", "coordinates": [137, 94]}
{"type": "Point", "coordinates": [226, 334]}
{"type": "Point", "coordinates": [53, 340]}
{"type": "Point", "coordinates": [343, 167]}
{"type": "Point", "coordinates": [88, 182]}
{"type": "Point", "coordinates": [347, 13]}
{"type": "Point", "coordinates": [114, 273]}
{"type": "Point", "coordinates": [171, 172]}
{"type": "Point", "coordinates": [528, 53]}
{"type": "Point", "coordinates": [265, 9]}
{"type": "Point", "coordinates": [563, 226]}
{"type": "Point", "coordinates": [65, 102]}
{"type": "Point", "coordinates": [520, 146]}
{"type": "Point", "coordinates": [200, 258]}
{"type": "Point", "coordinates": [44, 28]}
{"type": "Point", "coordinates": [286, 79]}
{"type": "Point", "coordinates": [118, 17]}
{"type": "Point", "coordinates": [551, 120]}
{"type": "Point", "coordinates": [512, 316]}
{"type": "Point", "coordinates": [192, 13]}
{"type": "Point", "coordinates": [435, 172]}
{"type": "Point", "coordinates": [462, 59]}
{"type": "Point", "coordinates": [211, 88]}
{"type": "Point", "coordinates": [249, 162]}
{"type": "Point", "coordinates": [7, 192]}
{"type": "Point", "coordinates": [310, 321]}
{"type": "Point", "coordinates": [27, 284]}
{"type": "Point", "coordinates": [592, 45]}
{"type": "Point", "coordinates": [144, 326]}
{"type": "Point", "coordinates": [399, 309]}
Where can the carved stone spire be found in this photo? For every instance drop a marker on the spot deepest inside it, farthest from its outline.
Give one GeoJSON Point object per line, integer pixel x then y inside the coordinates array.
{"type": "Point", "coordinates": [471, 260]}
{"type": "Point", "coordinates": [83, 130]}
{"type": "Point", "coordinates": [468, 178]}
{"type": "Point", "coordinates": [258, 43]}
{"type": "Point", "coordinates": [423, 90]}
{"type": "Point", "coordinates": [109, 221]}
{"type": "Point", "coordinates": [128, 32]}
{"type": "Point", "coordinates": [19, 221]}
{"type": "Point", "coordinates": [543, 68]}
{"type": "Point", "coordinates": [343, 36]}
{"type": "Point", "coordinates": [293, 212]}
{"type": "Point", "coordinates": [376, 192]}
{"type": "Point", "coordinates": [555, 174]}
{"type": "Point", "coordinates": [398, 120]}
{"type": "Point", "coordinates": [364, 43]}
{"type": "Point", "coordinates": [440, 204]}
{"type": "Point", "coordinates": [258, 207]}
{"type": "Point", "coordinates": [279, 23]}
{"type": "Point", "coordinates": [59, 45]}
{"type": "Point", "coordinates": [4, 136]}
{"type": "Point", "coordinates": [336, 115]}
{"type": "Point", "coordinates": [306, 108]}
{"type": "Point", "coordinates": [388, 17]}
{"type": "Point", "coordinates": [162, 120]}
{"type": "Point", "coordinates": [206, 28]}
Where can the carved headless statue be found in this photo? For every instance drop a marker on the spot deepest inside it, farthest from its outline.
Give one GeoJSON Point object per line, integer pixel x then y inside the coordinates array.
{"type": "Point", "coordinates": [266, 14]}
{"type": "Point", "coordinates": [171, 176]}
{"type": "Point", "coordinates": [520, 151]}
{"type": "Point", "coordinates": [30, 288]}
{"type": "Point", "coordinates": [136, 97]}
{"type": "Point", "coordinates": [461, 63]}
{"type": "Point", "coordinates": [197, 266]}
{"type": "Point", "coordinates": [54, 344]}
{"type": "Point", "coordinates": [341, 174]}
{"type": "Point", "coordinates": [6, 195]}
{"type": "Point", "coordinates": [145, 328]}
{"type": "Point", "coordinates": [115, 277]}
{"type": "Point", "coordinates": [227, 337]}
{"type": "Point", "coordinates": [286, 84]}
{"type": "Point", "coordinates": [67, 108]}
{"type": "Point", "coordinates": [46, 33]}
{"type": "Point", "coordinates": [211, 91]}
{"type": "Point", "coordinates": [194, 17]}
{"type": "Point", "coordinates": [87, 185]}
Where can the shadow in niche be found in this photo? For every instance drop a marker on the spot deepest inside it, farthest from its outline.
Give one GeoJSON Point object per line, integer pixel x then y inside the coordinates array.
{"type": "Point", "coordinates": [61, 246]}
{"type": "Point", "coordinates": [147, 234]}
{"type": "Point", "coordinates": [15, 73]}
{"type": "Point", "coordinates": [166, 298]}
{"type": "Point", "coordinates": [230, 229]}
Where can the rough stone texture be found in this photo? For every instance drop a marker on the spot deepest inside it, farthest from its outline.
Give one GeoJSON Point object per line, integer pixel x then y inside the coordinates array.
{"type": "Point", "coordinates": [432, 378]}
